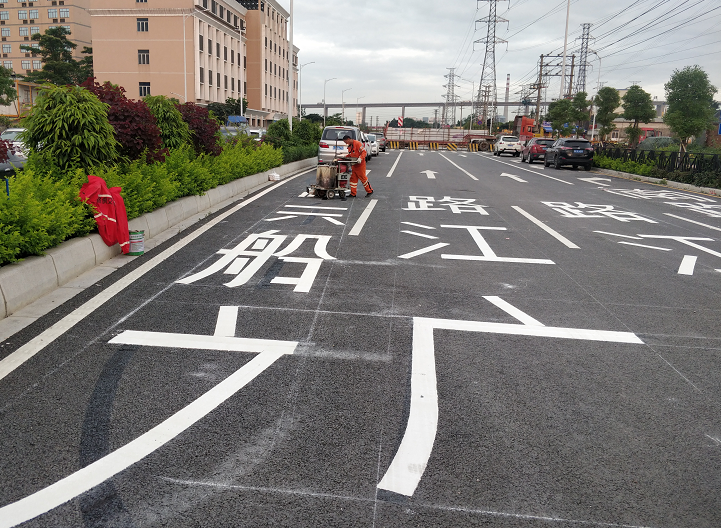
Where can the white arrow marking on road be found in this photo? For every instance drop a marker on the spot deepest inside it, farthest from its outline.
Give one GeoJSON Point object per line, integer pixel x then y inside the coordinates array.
{"type": "Point", "coordinates": [513, 177]}
{"type": "Point", "coordinates": [431, 174]}
{"type": "Point", "coordinates": [687, 265]}
{"type": "Point", "coordinates": [597, 181]}
{"type": "Point", "coordinates": [410, 461]}
{"type": "Point", "coordinates": [110, 465]}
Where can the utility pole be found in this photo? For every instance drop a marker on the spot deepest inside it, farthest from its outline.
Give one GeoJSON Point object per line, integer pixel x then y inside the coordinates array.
{"type": "Point", "coordinates": [538, 86]}
{"type": "Point", "coordinates": [487, 84]}
{"type": "Point", "coordinates": [583, 58]}
{"type": "Point", "coordinates": [565, 48]}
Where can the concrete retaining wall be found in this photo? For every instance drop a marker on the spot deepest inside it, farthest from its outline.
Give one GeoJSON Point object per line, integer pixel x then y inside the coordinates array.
{"type": "Point", "coordinates": [24, 282]}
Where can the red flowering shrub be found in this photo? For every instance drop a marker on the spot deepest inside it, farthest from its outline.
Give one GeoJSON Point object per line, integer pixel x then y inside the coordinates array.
{"type": "Point", "coordinates": [6, 147]}
{"type": "Point", "coordinates": [203, 128]}
{"type": "Point", "coordinates": [135, 127]}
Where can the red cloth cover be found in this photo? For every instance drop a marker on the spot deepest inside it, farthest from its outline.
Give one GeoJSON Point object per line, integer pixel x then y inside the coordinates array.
{"type": "Point", "coordinates": [110, 214]}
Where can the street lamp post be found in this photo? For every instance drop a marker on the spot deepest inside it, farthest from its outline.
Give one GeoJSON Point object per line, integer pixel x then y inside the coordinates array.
{"type": "Point", "coordinates": [300, 89]}
{"type": "Point", "coordinates": [343, 102]}
{"type": "Point", "coordinates": [356, 107]}
{"type": "Point", "coordinates": [470, 117]}
{"type": "Point", "coordinates": [324, 108]}
{"type": "Point", "coordinates": [290, 69]}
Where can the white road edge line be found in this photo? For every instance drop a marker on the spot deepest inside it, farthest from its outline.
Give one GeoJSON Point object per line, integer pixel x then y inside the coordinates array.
{"type": "Point", "coordinates": [693, 221]}
{"type": "Point", "coordinates": [459, 168]}
{"type": "Point", "coordinates": [393, 168]}
{"type": "Point", "coordinates": [39, 342]}
{"type": "Point", "coordinates": [687, 265]}
{"type": "Point", "coordinates": [110, 465]}
{"type": "Point", "coordinates": [355, 231]}
{"type": "Point", "coordinates": [531, 171]}
{"type": "Point", "coordinates": [555, 234]}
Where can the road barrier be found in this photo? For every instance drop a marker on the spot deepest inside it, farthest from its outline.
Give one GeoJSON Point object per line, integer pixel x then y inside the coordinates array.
{"type": "Point", "coordinates": [452, 146]}
{"type": "Point", "coordinates": [473, 147]}
{"type": "Point", "coordinates": [432, 146]}
{"type": "Point", "coordinates": [413, 145]}
{"type": "Point", "coordinates": [394, 144]}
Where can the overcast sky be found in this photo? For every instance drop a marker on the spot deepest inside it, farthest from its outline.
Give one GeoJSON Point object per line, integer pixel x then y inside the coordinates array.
{"type": "Point", "coordinates": [400, 50]}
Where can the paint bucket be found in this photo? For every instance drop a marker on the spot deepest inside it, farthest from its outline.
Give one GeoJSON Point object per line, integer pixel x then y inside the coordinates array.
{"type": "Point", "coordinates": [137, 243]}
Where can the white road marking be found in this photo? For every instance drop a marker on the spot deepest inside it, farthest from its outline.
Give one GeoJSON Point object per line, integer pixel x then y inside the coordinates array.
{"type": "Point", "coordinates": [110, 465]}
{"type": "Point", "coordinates": [597, 181]}
{"type": "Point", "coordinates": [687, 265]}
{"type": "Point", "coordinates": [488, 254]}
{"type": "Point", "coordinates": [236, 266]}
{"type": "Point", "coordinates": [309, 213]}
{"type": "Point", "coordinates": [320, 248]}
{"type": "Point", "coordinates": [645, 246]}
{"type": "Point", "coordinates": [513, 177]}
{"type": "Point", "coordinates": [513, 311]}
{"type": "Point", "coordinates": [431, 174]}
{"type": "Point", "coordinates": [693, 221]}
{"type": "Point", "coordinates": [260, 244]}
{"type": "Point", "coordinates": [555, 234]}
{"type": "Point", "coordinates": [496, 259]}
{"type": "Point", "coordinates": [418, 225]}
{"type": "Point", "coordinates": [532, 171]}
{"type": "Point", "coordinates": [355, 231]}
{"type": "Point", "coordinates": [463, 155]}
{"type": "Point", "coordinates": [227, 320]}
{"type": "Point", "coordinates": [423, 250]}
{"type": "Point", "coordinates": [687, 241]}
{"type": "Point", "coordinates": [420, 234]}
{"type": "Point", "coordinates": [318, 208]}
{"type": "Point", "coordinates": [39, 342]}
{"type": "Point", "coordinates": [303, 195]}
{"type": "Point", "coordinates": [303, 283]}
{"type": "Point", "coordinates": [618, 235]}
{"type": "Point", "coordinates": [281, 218]}
{"type": "Point", "coordinates": [410, 461]}
{"type": "Point", "coordinates": [332, 220]}
{"type": "Point", "coordinates": [368, 171]}
{"type": "Point", "coordinates": [393, 168]}
{"type": "Point", "coordinates": [459, 168]}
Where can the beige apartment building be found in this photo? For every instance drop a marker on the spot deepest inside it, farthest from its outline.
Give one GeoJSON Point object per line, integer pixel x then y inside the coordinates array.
{"type": "Point", "coordinates": [20, 20]}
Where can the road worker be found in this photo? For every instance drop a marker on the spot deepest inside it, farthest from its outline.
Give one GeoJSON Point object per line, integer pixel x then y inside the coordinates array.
{"type": "Point", "coordinates": [356, 150]}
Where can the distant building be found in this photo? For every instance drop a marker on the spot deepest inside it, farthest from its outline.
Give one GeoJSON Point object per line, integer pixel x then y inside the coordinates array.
{"type": "Point", "coordinates": [27, 94]}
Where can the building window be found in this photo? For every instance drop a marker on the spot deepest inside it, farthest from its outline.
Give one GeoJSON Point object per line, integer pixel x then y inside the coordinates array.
{"type": "Point", "coordinates": [34, 14]}
{"type": "Point", "coordinates": [143, 56]}
{"type": "Point", "coordinates": [8, 65]}
{"type": "Point", "coordinates": [22, 15]}
{"type": "Point", "coordinates": [24, 32]}
{"type": "Point", "coordinates": [217, 49]}
{"type": "Point", "coordinates": [205, 4]}
{"type": "Point", "coordinates": [202, 75]}
{"type": "Point", "coordinates": [52, 13]}
{"type": "Point", "coordinates": [200, 42]}
{"type": "Point", "coordinates": [244, 61]}
{"type": "Point", "coordinates": [232, 56]}
{"type": "Point", "coordinates": [34, 30]}
{"type": "Point", "coordinates": [245, 86]}
{"type": "Point", "coordinates": [141, 1]}
{"type": "Point", "coordinates": [221, 11]}
{"type": "Point", "coordinates": [266, 42]}
{"type": "Point", "coordinates": [7, 48]}
{"type": "Point", "coordinates": [210, 47]}
{"type": "Point", "coordinates": [37, 65]}
{"type": "Point", "coordinates": [225, 79]}
{"type": "Point", "coordinates": [142, 24]}
{"type": "Point", "coordinates": [232, 84]}
{"type": "Point", "coordinates": [25, 65]}
{"type": "Point", "coordinates": [210, 77]}
{"type": "Point", "coordinates": [6, 32]}
{"type": "Point", "coordinates": [64, 13]}
{"type": "Point", "coordinates": [214, 7]}
{"type": "Point", "coordinates": [218, 77]}
{"type": "Point", "coordinates": [4, 15]}
{"type": "Point", "coordinates": [266, 64]}
{"type": "Point", "coordinates": [144, 89]}
{"type": "Point", "coordinates": [225, 53]}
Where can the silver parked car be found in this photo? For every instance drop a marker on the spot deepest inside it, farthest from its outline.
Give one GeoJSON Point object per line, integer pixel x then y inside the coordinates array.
{"type": "Point", "coordinates": [331, 144]}
{"type": "Point", "coordinates": [374, 144]}
{"type": "Point", "coordinates": [509, 144]}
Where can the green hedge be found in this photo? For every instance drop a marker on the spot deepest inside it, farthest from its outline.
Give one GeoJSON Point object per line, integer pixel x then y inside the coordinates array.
{"type": "Point", "coordinates": [299, 152]}
{"type": "Point", "coordinates": [43, 208]}
{"type": "Point", "coordinates": [699, 179]}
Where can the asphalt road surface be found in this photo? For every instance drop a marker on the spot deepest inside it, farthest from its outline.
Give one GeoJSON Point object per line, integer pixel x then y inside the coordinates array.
{"type": "Point", "coordinates": [479, 343]}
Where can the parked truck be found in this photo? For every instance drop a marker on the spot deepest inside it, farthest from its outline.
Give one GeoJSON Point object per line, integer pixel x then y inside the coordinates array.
{"type": "Point", "coordinates": [435, 138]}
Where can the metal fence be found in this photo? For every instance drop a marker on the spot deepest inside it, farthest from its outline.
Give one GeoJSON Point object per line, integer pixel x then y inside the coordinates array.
{"type": "Point", "coordinates": [668, 161]}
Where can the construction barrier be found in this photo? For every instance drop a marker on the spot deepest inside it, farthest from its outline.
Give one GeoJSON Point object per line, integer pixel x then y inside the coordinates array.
{"type": "Point", "coordinates": [432, 146]}
{"type": "Point", "coordinates": [452, 146]}
{"type": "Point", "coordinates": [394, 144]}
{"type": "Point", "coordinates": [473, 147]}
{"type": "Point", "coordinates": [413, 145]}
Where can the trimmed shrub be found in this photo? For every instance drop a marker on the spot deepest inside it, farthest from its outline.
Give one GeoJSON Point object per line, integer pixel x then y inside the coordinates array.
{"type": "Point", "coordinates": [69, 127]}
{"type": "Point", "coordinates": [204, 129]}
{"type": "Point", "coordinates": [135, 127]}
{"type": "Point", "coordinates": [173, 130]}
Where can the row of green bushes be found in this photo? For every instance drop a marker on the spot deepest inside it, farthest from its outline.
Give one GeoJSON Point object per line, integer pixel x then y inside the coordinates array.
{"type": "Point", "coordinates": [43, 208]}
{"type": "Point", "coordinates": [699, 179]}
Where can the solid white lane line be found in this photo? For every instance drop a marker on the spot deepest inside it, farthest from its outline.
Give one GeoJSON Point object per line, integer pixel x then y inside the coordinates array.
{"type": "Point", "coordinates": [227, 319]}
{"type": "Point", "coordinates": [555, 234]}
{"type": "Point", "coordinates": [393, 168]}
{"type": "Point", "coordinates": [687, 265]}
{"type": "Point", "coordinates": [618, 235]}
{"type": "Point", "coordinates": [496, 259]}
{"type": "Point", "coordinates": [355, 231]}
{"type": "Point", "coordinates": [311, 213]}
{"type": "Point", "coordinates": [332, 220]}
{"type": "Point", "coordinates": [409, 462]}
{"type": "Point", "coordinates": [532, 171]}
{"type": "Point", "coordinates": [39, 342]}
{"type": "Point", "coordinates": [110, 465]}
{"type": "Point", "coordinates": [420, 234]}
{"type": "Point", "coordinates": [644, 246]}
{"type": "Point", "coordinates": [423, 250]}
{"type": "Point", "coordinates": [418, 225]}
{"type": "Point", "coordinates": [513, 177]}
{"type": "Point", "coordinates": [513, 311]}
{"type": "Point", "coordinates": [202, 342]}
{"type": "Point", "coordinates": [319, 208]}
{"type": "Point", "coordinates": [693, 221]}
{"type": "Point", "coordinates": [459, 168]}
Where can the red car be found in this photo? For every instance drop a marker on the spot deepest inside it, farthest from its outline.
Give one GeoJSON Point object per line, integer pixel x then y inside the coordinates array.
{"type": "Point", "coordinates": [535, 149]}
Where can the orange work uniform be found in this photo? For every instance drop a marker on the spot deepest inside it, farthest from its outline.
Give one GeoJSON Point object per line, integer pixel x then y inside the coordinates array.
{"type": "Point", "coordinates": [356, 150]}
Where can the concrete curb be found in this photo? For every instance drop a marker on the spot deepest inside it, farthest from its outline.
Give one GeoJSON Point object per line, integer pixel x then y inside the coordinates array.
{"type": "Point", "coordinates": [24, 282]}
{"type": "Point", "coordinates": [658, 181]}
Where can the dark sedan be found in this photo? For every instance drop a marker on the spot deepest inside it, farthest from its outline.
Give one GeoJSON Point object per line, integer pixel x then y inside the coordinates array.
{"type": "Point", "coordinates": [568, 151]}
{"type": "Point", "coordinates": [535, 149]}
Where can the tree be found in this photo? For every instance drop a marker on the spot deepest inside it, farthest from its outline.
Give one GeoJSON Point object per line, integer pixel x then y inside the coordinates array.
{"type": "Point", "coordinates": [581, 108]}
{"type": "Point", "coordinates": [691, 108]}
{"type": "Point", "coordinates": [204, 129]}
{"type": "Point", "coordinates": [637, 107]}
{"type": "Point", "coordinates": [607, 101]}
{"type": "Point", "coordinates": [173, 129]}
{"type": "Point", "coordinates": [229, 107]}
{"type": "Point", "coordinates": [68, 126]}
{"type": "Point", "coordinates": [563, 116]}
{"type": "Point", "coordinates": [59, 67]}
{"type": "Point", "coordinates": [7, 87]}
